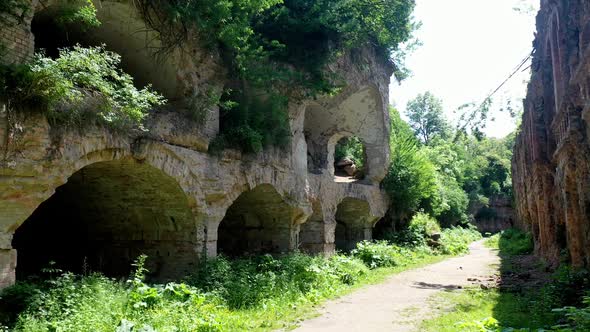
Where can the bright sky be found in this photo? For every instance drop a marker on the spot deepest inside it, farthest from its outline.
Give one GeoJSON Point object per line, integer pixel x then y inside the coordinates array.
{"type": "Point", "coordinates": [469, 48]}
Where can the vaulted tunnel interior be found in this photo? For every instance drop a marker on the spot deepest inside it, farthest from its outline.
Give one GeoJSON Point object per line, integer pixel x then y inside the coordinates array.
{"type": "Point", "coordinates": [354, 223]}
{"type": "Point", "coordinates": [104, 217]}
{"type": "Point", "coordinates": [259, 221]}
{"type": "Point", "coordinates": [122, 31]}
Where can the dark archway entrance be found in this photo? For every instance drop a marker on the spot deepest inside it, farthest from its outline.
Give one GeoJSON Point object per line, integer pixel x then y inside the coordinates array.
{"type": "Point", "coordinates": [104, 217]}
{"type": "Point", "coordinates": [354, 223]}
{"type": "Point", "coordinates": [259, 221]}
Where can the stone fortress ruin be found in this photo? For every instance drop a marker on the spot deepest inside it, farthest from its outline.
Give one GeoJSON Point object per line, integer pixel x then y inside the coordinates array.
{"type": "Point", "coordinates": [98, 198]}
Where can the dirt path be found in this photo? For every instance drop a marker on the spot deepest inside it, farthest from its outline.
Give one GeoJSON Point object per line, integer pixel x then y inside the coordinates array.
{"type": "Point", "coordinates": [402, 301]}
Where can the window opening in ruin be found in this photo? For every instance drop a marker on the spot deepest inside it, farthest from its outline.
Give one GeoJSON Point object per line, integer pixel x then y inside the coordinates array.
{"type": "Point", "coordinates": [349, 160]}
{"type": "Point", "coordinates": [258, 222]}
{"type": "Point", "coordinates": [104, 217]}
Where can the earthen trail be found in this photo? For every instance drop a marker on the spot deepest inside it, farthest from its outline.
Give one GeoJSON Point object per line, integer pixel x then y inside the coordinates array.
{"type": "Point", "coordinates": [401, 302]}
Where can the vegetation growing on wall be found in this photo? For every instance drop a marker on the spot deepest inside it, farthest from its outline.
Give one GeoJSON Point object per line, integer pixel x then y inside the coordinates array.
{"type": "Point", "coordinates": [81, 84]}
{"type": "Point", "coordinates": [273, 46]}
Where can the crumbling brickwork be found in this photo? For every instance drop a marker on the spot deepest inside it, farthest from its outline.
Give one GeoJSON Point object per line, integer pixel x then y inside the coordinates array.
{"type": "Point", "coordinates": [16, 38]}
{"type": "Point", "coordinates": [551, 164]}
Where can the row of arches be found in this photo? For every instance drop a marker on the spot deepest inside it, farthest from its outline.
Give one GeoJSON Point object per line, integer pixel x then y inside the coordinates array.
{"type": "Point", "coordinates": [124, 32]}
{"type": "Point", "coordinates": [108, 213]}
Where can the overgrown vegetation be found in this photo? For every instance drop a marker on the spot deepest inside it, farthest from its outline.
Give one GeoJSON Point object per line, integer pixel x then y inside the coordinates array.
{"type": "Point", "coordinates": [524, 301]}
{"type": "Point", "coordinates": [279, 48]}
{"type": "Point", "coordinates": [259, 293]}
{"type": "Point", "coordinates": [441, 172]}
{"type": "Point", "coordinates": [512, 242]}
{"type": "Point", "coordinates": [351, 148]}
{"type": "Point", "coordinates": [81, 84]}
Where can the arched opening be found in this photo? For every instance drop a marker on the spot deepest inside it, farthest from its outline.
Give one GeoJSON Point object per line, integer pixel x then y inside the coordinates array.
{"type": "Point", "coordinates": [354, 223]}
{"type": "Point", "coordinates": [351, 114]}
{"type": "Point", "coordinates": [104, 217]}
{"type": "Point", "coordinates": [259, 221]}
{"type": "Point", "coordinates": [122, 30]}
{"type": "Point", "coordinates": [350, 160]}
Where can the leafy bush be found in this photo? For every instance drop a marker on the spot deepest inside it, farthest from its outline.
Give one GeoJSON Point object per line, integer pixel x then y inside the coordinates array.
{"type": "Point", "coordinates": [456, 240]}
{"type": "Point", "coordinates": [512, 242]}
{"type": "Point", "coordinates": [281, 47]}
{"type": "Point", "coordinates": [424, 225]}
{"type": "Point", "coordinates": [253, 123]}
{"type": "Point", "coordinates": [411, 177]}
{"type": "Point", "coordinates": [250, 282]}
{"type": "Point", "coordinates": [383, 254]}
{"type": "Point", "coordinates": [81, 83]}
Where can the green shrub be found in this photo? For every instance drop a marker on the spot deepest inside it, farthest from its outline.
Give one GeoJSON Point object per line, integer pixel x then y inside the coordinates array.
{"type": "Point", "coordinates": [81, 84]}
{"type": "Point", "coordinates": [456, 240]}
{"type": "Point", "coordinates": [250, 282]}
{"type": "Point", "coordinates": [253, 123]}
{"type": "Point", "coordinates": [512, 242]}
{"type": "Point", "coordinates": [420, 228]}
{"type": "Point", "coordinates": [383, 254]}
{"type": "Point", "coordinates": [424, 225]}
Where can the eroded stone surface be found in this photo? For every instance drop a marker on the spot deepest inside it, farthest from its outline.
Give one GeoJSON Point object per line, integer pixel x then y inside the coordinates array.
{"type": "Point", "coordinates": [107, 174]}
{"type": "Point", "coordinates": [551, 167]}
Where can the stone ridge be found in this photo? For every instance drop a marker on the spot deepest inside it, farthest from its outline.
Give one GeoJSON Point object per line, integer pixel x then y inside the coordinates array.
{"type": "Point", "coordinates": [100, 198]}
{"type": "Point", "coordinates": [551, 165]}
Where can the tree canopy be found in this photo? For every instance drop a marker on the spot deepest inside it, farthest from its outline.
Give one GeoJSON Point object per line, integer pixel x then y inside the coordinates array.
{"type": "Point", "coordinates": [425, 113]}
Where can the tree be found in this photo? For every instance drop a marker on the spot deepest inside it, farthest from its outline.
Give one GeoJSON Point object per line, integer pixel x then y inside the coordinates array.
{"type": "Point", "coordinates": [411, 178]}
{"type": "Point", "coordinates": [426, 116]}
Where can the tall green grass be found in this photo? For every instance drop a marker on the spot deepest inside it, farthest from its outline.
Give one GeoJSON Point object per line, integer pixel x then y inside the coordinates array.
{"type": "Point", "coordinates": [561, 304]}
{"type": "Point", "coordinates": [259, 293]}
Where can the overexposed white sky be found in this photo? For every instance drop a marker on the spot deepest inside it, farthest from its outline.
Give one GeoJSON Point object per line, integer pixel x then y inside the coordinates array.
{"type": "Point", "coordinates": [469, 48]}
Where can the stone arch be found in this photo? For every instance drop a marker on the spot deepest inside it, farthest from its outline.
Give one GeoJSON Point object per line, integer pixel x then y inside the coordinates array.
{"type": "Point", "coordinates": [354, 223]}
{"type": "Point", "coordinates": [259, 221]}
{"type": "Point", "coordinates": [106, 215]}
{"type": "Point", "coordinates": [123, 31]}
{"type": "Point", "coordinates": [360, 113]}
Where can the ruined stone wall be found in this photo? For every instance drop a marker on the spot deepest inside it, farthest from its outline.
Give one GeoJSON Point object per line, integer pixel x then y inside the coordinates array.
{"type": "Point", "coordinates": [497, 216]}
{"type": "Point", "coordinates": [39, 161]}
{"type": "Point", "coordinates": [551, 164]}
